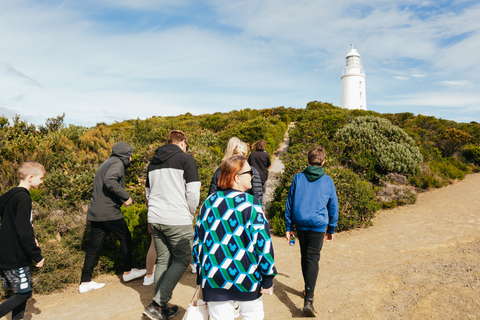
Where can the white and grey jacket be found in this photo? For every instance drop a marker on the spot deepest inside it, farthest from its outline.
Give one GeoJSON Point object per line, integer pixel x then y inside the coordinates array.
{"type": "Point", "coordinates": [172, 187]}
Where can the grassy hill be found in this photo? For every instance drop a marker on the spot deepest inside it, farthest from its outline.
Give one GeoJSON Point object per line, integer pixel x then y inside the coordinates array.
{"type": "Point", "coordinates": [376, 160]}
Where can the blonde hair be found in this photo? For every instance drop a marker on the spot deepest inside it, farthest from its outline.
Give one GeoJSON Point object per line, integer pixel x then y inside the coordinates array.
{"type": "Point", "coordinates": [235, 147]}
{"type": "Point", "coordinates": [30, 168]}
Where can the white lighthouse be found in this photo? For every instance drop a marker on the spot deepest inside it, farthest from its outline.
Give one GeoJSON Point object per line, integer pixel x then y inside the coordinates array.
{"type": "Point", "coordinates": [353, 82]}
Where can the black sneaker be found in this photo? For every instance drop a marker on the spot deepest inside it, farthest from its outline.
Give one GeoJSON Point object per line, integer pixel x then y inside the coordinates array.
{"type": "Point", "coordinates": [308, 309]}
{"type": "Point", "coordinates": [155, 313]}
{"type": "Point", "coordinates": [170, 311]}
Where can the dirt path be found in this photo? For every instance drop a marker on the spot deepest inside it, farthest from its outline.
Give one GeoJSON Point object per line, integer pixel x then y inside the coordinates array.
{"type": "Point", "coordinates": [417, 262]}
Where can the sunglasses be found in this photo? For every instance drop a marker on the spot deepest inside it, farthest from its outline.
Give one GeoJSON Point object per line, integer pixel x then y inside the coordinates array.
{"type": "Point", "coordinates": [249, 172]}
{"type": "Point", "coordinates": [186, 145]}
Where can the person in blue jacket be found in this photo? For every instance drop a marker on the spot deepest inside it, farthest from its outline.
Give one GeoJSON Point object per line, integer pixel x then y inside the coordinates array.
{"type": "Point", "coordinates": [312, 208]}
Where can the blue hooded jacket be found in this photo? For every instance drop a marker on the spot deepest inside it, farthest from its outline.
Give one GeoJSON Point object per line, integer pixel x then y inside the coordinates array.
{"type": "Point", "coordinates": [312, 202]}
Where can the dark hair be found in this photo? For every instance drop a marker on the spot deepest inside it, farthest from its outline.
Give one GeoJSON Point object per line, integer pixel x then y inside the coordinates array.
{"type": "Point", "coordinates": [229, 170]}
{"type": "Point", "coordinates": [316, 156]}
{"type": "Point", "coordinates": [30, 168]}
{"type": "Point", "coordinates": [259, 145]}
{"type": "Point", "coordinates": [176, 136]}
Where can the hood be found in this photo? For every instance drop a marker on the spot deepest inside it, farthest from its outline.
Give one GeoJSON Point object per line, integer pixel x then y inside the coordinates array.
{"type": "Point", "coordinates": [165, 152]}
{"type": "Point", "coordinates": [123, 151]}
{"type": "Point", "coordinates": [7, 195]}
{"type": "Point", "coordinates": [313, 173]}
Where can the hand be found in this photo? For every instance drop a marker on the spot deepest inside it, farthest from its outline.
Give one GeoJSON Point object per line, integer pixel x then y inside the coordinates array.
{"type": "Point", "coordinates": [40, 264]}
{"type": "Point", "coordinates": [288, 235]}
{"type": "Point", "coordinates": [128, 202]}
{"type": "Point", "coordinates": [328, 237]}
{"type": "Point", "coordinates": [268, 291]}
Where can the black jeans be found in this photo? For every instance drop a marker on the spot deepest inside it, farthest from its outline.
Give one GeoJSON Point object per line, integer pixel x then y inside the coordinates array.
{"type": "Point", "coordinates": [311, 243]}
{"type": "Point", "coordinates": [99, 231]}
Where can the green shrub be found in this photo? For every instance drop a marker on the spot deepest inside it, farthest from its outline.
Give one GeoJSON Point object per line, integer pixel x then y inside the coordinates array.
{"type": "Point", "coordinates": [372, 146]}
{"type": "Point", "coordinates": [471, 153]}
{"type": "Point", "coordinates": [356, 199]}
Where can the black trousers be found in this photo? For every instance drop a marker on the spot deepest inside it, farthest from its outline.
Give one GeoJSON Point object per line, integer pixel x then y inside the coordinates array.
{"type": "Point", "coordinates": [311, 243]}
{"type": "Point", "coordinates": [16, 304]}
{"type": "Point", "coordinates": [99, 231]}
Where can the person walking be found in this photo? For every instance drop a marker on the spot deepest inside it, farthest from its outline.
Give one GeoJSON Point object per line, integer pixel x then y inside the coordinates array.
{"type": "Point", "coordinates": [105, 216]}
{"type": "Point", "coordinates": [173, 192]}
{"type": "Point", "coordinates": [260, 160]}
{"type": "Point", "coordinates": [237, 147]}
{"type": "Point", "coordinates": [312, 208]}
{"type": "Point", "coordinates": [18, 244]}
{"type": "Point", "coordinates": [233, 247]}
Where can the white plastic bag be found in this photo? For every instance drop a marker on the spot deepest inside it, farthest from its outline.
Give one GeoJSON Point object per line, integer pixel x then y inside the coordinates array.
{"type": "Point", "coordinates": [197, 309]}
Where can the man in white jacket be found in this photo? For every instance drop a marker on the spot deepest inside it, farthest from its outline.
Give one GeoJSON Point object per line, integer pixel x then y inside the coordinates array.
{"type": "Point", "coordinates": [173, 194]}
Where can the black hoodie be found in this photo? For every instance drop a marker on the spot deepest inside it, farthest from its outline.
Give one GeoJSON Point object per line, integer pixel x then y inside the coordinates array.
{"type": "Point", "coordinates": [17, 241]}
{"type": "Point", "coordinates": [109, 186]}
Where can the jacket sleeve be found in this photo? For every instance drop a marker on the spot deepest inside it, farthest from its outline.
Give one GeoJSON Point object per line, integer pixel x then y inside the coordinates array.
{"type": "Point", "coordinates": [24, 228]}
{"type": "Point", "coordinates": [268, 160]}
{"type": "Point", "coordinates": [192, 184]}
{"type": "Point", "coordinates": [289, 206]}
{"type": "Point", "coordinates": [260, 234]}
{"type": "Point", "coordinates": [214, 183]}
{"type": "Point", "coordinates": [332, 207]}
{"type": "Point", "coordinates": [257, 189]}
{"type": "Point", "coordinates": [115, 173]}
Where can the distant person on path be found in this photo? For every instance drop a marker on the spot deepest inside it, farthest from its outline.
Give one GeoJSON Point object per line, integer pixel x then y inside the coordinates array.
{"type": "Point", "coordinates": [173, 193]}
{"type": "Point", "coordinates": [18, 246]}
{"type": "Point", "coordinates": [233, 247]}
{"type": "Point", "coordinates": [237, 147]}
{"type": "Point", "coordinates": [260, 160]}
{"type": "Point", "coordinates": [105, 216]}
{"type": "Point", "coordinates": [312, 207]}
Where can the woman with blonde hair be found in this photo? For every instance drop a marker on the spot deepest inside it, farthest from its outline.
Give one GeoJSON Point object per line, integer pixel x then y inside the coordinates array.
{"type": "Point", "coordinates": [237, 147]}
{"type": "Point", "coordinates": [240, 268]}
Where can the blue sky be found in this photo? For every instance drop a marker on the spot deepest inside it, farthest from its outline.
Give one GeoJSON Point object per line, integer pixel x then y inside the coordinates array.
{"type": "Point", "coordinates": [112, 60]}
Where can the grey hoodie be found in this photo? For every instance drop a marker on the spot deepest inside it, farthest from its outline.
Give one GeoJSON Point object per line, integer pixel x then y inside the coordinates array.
{"type": "Point", "coordinates": [109, 185]}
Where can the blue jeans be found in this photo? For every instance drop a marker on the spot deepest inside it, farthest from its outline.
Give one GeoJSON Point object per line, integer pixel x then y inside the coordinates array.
{"type": "Point", "coordinates": [174, 253]}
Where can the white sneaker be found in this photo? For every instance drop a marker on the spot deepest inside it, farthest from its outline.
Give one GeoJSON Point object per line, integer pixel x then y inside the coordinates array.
{"type": "Point", "coordinates": [89, 286]}
{"type": "Point", "coordinates": [134, 274]}
{"type": "Point", "coordinates": [194, 268]}
{"type": "Point", "coordinates": [149, 280]}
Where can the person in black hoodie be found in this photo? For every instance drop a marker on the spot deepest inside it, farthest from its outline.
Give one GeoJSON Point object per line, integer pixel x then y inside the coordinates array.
{"type": "Point", "coordinates": [172, 189]}
{"type": "Point", "coordinates": [105, 216]}
{"type": "Point", "coordinates": [18, 244]}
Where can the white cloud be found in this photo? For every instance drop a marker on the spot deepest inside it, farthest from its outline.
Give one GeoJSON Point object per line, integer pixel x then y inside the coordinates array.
{"type": "Point", "coordinates": [57, 59]}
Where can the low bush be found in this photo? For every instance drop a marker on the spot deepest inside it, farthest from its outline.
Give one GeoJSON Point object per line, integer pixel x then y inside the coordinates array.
{"type": "Point", "coordinates": [372, 147]}
{"type": "Point", "coordinates": [471, 153]}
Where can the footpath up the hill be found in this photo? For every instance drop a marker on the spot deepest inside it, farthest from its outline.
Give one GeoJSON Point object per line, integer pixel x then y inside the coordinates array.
{"type": "Point", "coordinates": [420, 261]}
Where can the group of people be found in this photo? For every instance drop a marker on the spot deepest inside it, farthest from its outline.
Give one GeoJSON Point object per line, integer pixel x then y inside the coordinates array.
{"type": "Point", "coordinates": [230, 248]}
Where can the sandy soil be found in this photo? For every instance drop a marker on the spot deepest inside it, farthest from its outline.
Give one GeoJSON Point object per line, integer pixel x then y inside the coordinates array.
{"type": "Point", "coordinates": [416, 262]}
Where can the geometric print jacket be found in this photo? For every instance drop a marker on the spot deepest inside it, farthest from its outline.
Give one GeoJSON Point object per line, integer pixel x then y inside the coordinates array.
{"type": "Point", "coordinates": [232, 246]}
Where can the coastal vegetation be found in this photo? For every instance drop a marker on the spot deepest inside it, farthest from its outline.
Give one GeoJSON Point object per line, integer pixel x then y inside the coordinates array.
{"type": "Point", "coordinates": [376, 161]}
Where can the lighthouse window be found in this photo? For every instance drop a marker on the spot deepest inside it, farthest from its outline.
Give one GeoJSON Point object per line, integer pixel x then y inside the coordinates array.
{"type": "Point", "coordinates": [360, 95]}
{"type": "Point", "coordinates": [360, 84]}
